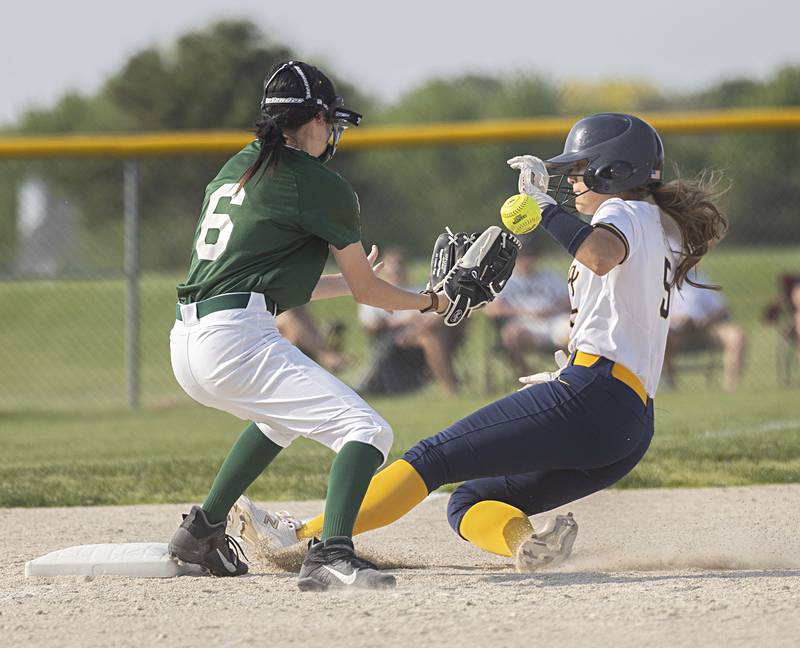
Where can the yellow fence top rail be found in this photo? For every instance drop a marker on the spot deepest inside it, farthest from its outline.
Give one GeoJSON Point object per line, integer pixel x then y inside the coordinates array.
{"type": "Point", "coordinates": [203, 142]}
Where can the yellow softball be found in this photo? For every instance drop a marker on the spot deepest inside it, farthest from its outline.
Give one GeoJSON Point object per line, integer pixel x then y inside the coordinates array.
{"type": "Point", "coordinates": [520, 214]}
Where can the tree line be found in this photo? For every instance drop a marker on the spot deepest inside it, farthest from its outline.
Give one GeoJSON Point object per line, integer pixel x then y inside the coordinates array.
{"type": "Point", "coordinates": [212, 78]}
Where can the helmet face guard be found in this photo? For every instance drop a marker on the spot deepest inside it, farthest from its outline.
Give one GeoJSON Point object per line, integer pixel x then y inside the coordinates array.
{"type": "Point", "coordinates": [340, 119]}
{"type": "Point", "coordinates": [337, 115]}
{"type": "Point", "coordinates": [613, 153]}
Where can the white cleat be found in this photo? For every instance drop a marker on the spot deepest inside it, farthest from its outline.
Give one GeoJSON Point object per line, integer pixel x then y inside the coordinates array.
{"type": "Point", "coordinates": [548, 547]}
{"type": "Point", "coordinates": [258, 527]}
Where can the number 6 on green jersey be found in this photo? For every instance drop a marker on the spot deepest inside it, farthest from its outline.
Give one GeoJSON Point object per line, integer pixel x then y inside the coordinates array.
{"type": "Point", "coordinates": [217, 221]}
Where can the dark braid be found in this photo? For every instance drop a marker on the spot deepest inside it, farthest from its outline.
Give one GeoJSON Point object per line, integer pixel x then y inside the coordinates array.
{"type": "Point", "coordinates": [270, 134]}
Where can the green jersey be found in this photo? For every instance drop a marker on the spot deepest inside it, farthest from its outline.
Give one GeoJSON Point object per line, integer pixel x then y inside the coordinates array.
{"type": "Point", "coordinates": [272, 235]}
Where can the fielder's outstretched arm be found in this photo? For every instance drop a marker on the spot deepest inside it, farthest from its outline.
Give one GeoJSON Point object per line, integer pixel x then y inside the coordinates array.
{"type": "Point", "coordinates": [367, 288]}
{"type": "Point", "coordinates": [334, 285]}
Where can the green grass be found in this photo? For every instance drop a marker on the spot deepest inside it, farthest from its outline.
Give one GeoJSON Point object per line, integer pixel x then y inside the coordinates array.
{"type": "Point", "coordinates": [62, 343]}
{"type": "Point", "coordinates": [171, 454]}
{"type": "Point", "coordinates": [68, 438]}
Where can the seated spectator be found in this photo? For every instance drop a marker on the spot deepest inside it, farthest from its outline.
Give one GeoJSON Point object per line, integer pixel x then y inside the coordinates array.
{"type": "Point", "coordinates": [784, 310]}
{"type": "Point", "coordinates": [323, 346]}
{"type": "Point", "coordinates": [532, 311]}
{"type": "Point", "coordinates": [784, 313]}
{"type": "Point", "coordinates": [409, 346]}
{"type": "Point", "coordinates": [699, 319]}
{"type": "Point", "coordinates": [795, 301]}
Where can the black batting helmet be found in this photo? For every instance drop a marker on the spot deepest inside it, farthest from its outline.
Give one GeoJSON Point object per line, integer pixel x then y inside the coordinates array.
{"type": "Point", "coordinates": [312, 89]}
{"type": "Point", "coordinates": [621, 152]}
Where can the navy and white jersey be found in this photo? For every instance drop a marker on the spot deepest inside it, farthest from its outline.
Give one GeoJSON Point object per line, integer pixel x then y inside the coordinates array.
{"type": "Point", "coordinates": [624, 315]}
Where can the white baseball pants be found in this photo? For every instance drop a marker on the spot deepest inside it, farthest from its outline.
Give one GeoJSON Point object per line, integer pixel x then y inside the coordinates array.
{"type": "Point", "coordinates": [236, 360]}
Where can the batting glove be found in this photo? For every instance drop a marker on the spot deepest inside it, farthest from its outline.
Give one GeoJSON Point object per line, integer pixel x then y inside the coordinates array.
{"type": "Point", "coordinates": [546, 376]}
{"type": "Point", "coordinates": [533, 178]}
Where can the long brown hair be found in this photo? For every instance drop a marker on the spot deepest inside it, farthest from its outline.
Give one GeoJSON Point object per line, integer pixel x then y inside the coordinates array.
{"type": "Point", "coordinates": [692, 204]}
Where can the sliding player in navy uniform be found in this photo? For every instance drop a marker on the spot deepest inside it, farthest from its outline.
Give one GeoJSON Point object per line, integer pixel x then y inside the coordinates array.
{"type": "Point", "coordinates": [583, 427]}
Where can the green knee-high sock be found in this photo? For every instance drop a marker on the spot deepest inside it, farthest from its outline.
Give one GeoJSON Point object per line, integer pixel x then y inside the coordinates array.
{"type": "Point", "coordinates": [350, 475]}
{"type": "Point", "coordinates": [247, 459]}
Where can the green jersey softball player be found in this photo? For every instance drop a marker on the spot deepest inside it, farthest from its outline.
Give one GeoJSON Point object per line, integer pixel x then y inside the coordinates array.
{"type": "Point", "coordinates": [268, 221]}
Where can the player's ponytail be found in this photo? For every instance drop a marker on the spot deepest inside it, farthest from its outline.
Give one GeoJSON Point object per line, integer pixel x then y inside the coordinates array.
{"type": "Point", "coordinates": [692, 204]}
{"type": "Point", "coordinates": [270, 136]}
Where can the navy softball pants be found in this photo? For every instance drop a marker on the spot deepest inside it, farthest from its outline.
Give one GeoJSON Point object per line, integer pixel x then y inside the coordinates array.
{"type": "Point", "coordinates": [541, 447]}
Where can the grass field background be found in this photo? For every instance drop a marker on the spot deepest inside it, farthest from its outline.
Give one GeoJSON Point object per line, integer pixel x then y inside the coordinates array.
{"type": "Point", "coordinates": [68, 438]}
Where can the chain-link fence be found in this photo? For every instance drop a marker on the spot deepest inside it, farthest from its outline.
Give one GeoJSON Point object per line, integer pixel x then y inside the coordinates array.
{"type": "Point", "coordinates": [92, 249]}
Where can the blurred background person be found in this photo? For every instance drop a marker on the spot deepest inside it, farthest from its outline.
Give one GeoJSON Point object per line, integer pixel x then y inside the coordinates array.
{"type": "Point", "coordinates": [323, 344]}
{"type": "Point", "coordinates": [699, 319]}
{"type": "Point", "coordinates": [795, 300]}
{"type": "Point", "coordinates": [532, 311]}
{"type": "Point", "coordinates": [407, 348]}
{"type": "Point", "coordinates": [783, 312]}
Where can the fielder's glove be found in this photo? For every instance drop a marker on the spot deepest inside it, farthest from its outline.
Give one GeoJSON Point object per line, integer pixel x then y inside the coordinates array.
{"type": "Point", "coordinates": [533, 178]}
{"type": "Point", "coordinates": [447, 251]}
{"type": "Point", "coordinates": [480, 274]}
{"type": "Point", "coordinates": [546, 376]}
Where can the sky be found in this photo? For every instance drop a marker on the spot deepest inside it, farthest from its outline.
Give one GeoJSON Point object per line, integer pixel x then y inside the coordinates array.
{"type": "Point", "coordinates": [48, 48]}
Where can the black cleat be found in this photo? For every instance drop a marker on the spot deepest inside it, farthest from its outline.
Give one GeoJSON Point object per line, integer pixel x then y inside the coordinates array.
{"type": "Point", "coordinates": [334, 564]}
{"type": "Point", "coordinates": [198, 542]}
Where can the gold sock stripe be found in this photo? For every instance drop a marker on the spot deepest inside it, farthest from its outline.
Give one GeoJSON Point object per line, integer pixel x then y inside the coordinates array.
{"type": "Point", "coordinates": [392, 493]}
{"type": "Point", "coordinates": [495, 526]}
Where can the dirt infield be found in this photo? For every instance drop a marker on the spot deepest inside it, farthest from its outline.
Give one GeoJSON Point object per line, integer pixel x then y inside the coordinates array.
{"type": "Point", "coordinates": [660, 567]}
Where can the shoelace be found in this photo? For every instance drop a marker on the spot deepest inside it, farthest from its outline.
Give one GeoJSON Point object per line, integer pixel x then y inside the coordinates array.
{"type": "Point", "coordinates": [234, 548]}
{"type": "Point", "coordinates": [334, 553]}
{"type": "Point", "coordinates": [291, 521]}
{"type": "Point", "coordinates": [345, 553]}
{"type": "Point", "coordinates": [339, 553]}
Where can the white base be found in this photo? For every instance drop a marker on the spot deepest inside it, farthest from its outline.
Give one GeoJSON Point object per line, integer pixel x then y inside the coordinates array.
{"type": "Point", "coordinates": [136, 559]}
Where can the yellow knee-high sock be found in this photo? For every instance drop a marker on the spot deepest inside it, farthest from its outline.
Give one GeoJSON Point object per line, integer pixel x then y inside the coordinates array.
{"type": "Point", "coordinates": [392, 493]}
{"type": "Point", "coordinates": [495, 526]}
